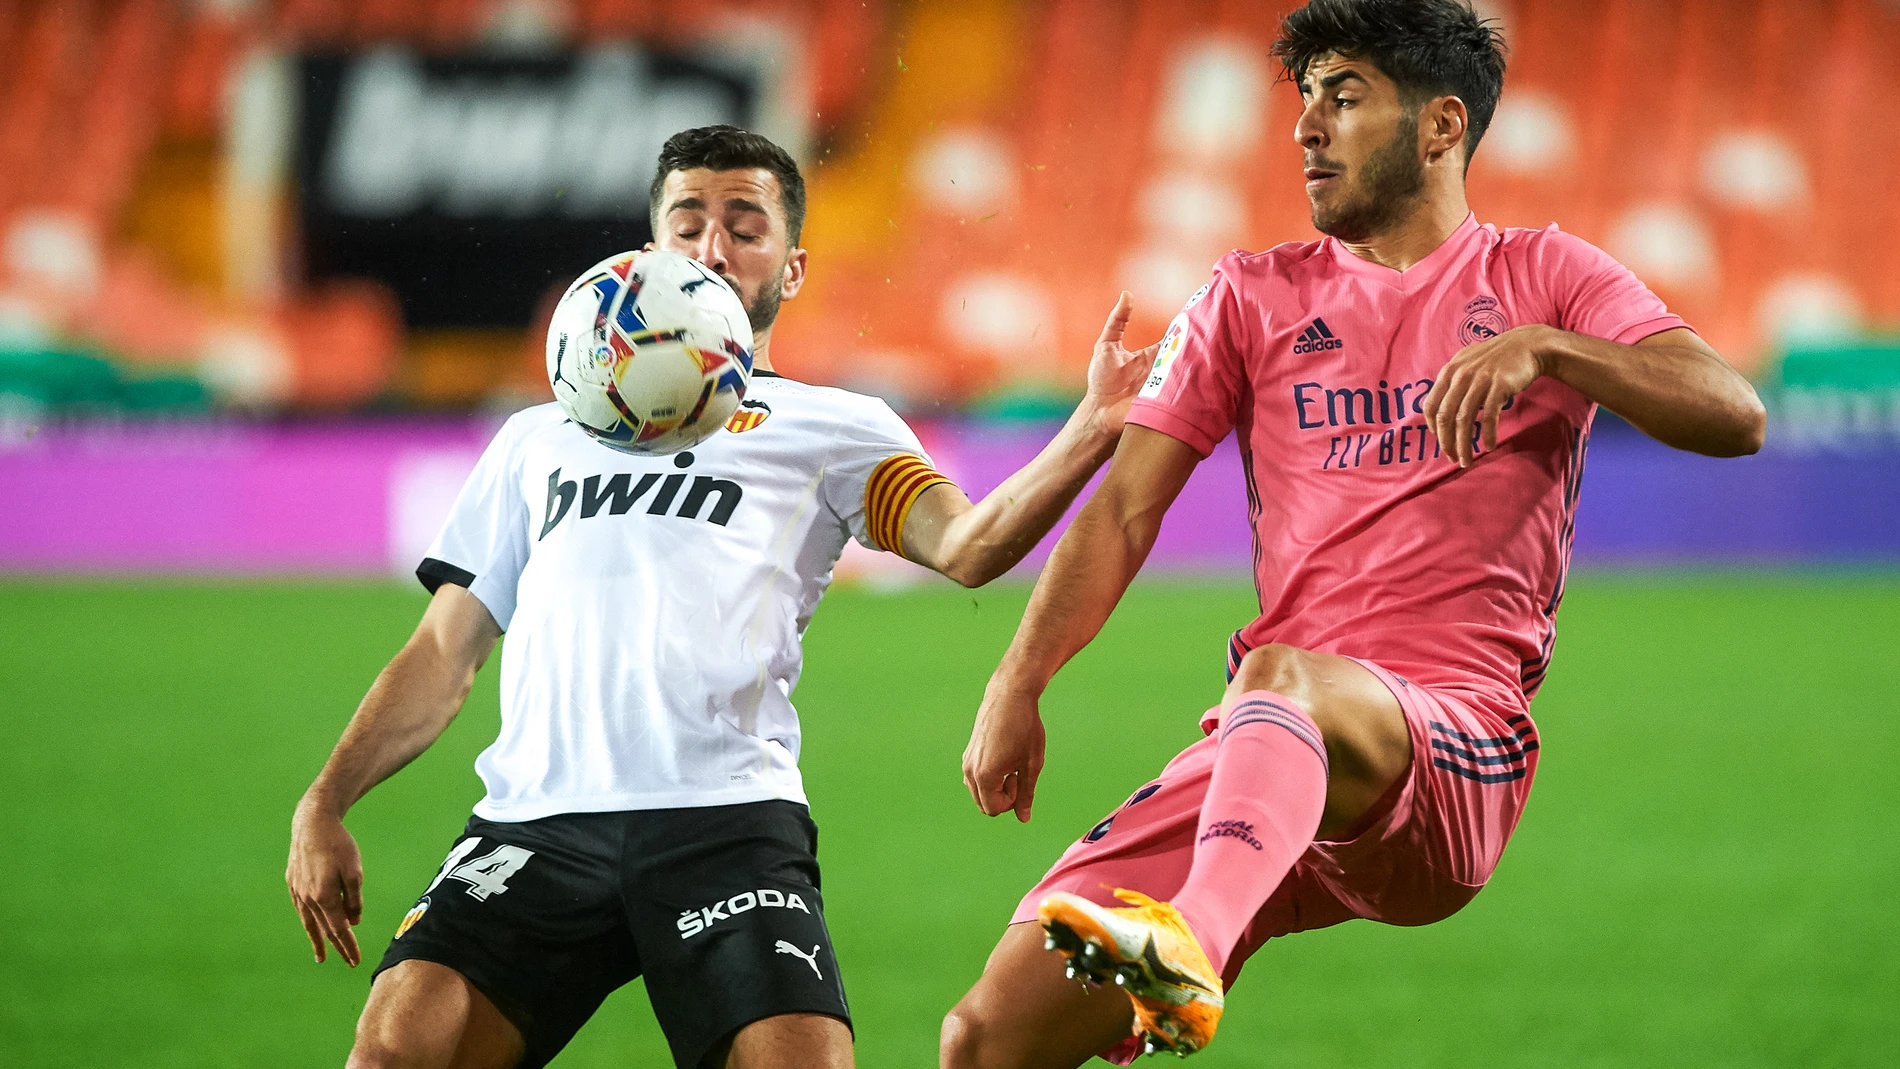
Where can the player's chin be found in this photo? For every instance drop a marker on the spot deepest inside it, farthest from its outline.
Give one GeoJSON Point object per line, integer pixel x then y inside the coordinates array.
{"type": "Point", "coordinates": [1325, 209]}
{"type": "Point", "coordinates": [1338, 220]}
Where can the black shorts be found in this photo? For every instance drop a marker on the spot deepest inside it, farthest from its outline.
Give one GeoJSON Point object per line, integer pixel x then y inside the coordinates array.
{"type": "Point", "coordinates": [717, 907]}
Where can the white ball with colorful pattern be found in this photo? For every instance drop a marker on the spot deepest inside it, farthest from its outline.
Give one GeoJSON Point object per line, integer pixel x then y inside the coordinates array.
{"type": "Point", "coordinates": [649, 352]}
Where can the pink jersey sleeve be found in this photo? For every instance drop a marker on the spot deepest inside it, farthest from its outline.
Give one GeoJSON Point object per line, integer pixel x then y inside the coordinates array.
{"type": "Point", "coordinates": [1193, 393]}
{"type": "Point", "coordinates": [1595, 295]}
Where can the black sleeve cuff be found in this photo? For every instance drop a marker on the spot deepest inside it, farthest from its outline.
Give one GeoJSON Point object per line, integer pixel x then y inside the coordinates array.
{"type": "Point", "coordinates": [434, 573]}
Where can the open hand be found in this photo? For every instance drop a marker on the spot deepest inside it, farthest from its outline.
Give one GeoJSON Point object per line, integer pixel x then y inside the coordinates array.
{"type": "Point", "coordinates": [1005, 754]}
{"type": "Point", "coordinates": [1116, 373]}
{"type": "Point", "coordinates": [326, 883]}
{"type": "Point", "coordinates": [1478, 381]}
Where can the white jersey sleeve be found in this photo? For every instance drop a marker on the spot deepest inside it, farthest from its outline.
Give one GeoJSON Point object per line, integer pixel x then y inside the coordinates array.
{"type": "Point", "coordinates": [484, 544]}
{"type": "Point", "coordinates": [877, 471]}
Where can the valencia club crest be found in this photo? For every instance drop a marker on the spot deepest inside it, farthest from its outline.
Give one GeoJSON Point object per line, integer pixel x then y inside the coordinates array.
{"type": "Point", "coordinates": [750, 415]}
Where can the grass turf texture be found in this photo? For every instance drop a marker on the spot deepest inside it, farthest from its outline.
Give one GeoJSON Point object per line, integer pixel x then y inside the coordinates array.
{"type": "Point", "coordinates": [1704, 876]}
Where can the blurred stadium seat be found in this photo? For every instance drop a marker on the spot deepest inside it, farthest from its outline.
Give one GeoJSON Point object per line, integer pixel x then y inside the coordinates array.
{"type": "Point", "coordinates": [1147, 141]}
{"type": "Point", "coordinates": [986, 174]}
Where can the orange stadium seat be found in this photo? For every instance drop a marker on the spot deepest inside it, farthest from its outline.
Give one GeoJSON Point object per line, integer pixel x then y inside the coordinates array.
{"type": "Point", "coordinates": [1077, 182]}
{"type": "Point", "coordinates": [384, 20]}
{"type": "Point", "coordinates": [844, 38]}
{"type": "Point", "coordinates": [344, 339]}
{"type": "Point", "coordinates": [116, 128]}
{"type": "Point", "coordinates": [12, 18]}
{"type": "Point", "coordinates": [453, 23]}
{"type": "Point", "coordinates": [1123, 144]}
{"type": "Point", "coordinates": [317, 23]}
{"type": "Point", "coordinates": [1622, 154]}
{"type": "Point", "coordinates": [193, 99]}
{"type": "Point", "coordinates": [601, 20]}
{"type": "Point", "coordinates": [143, 315]}
{"type": "Point", "coordinates": [50, 35]}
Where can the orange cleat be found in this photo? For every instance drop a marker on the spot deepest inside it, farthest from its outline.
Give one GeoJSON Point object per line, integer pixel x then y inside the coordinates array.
{"type": "Point", "coordinates": [1147, 949]}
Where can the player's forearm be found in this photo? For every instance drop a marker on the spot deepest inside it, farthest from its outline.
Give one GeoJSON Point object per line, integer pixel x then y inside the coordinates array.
{"type": "Point", "coordinates": [997, 532]}
{"type": "Point", "coordinates": [1085, 578]}
{"type": "Point", "coordinates": [1683, 395]}
{"type": "Point", "coordinates": [411, 703]}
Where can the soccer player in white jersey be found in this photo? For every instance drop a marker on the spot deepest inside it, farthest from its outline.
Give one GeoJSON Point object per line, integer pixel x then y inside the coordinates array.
{"type": "Point", "coordinates": [644, 813]}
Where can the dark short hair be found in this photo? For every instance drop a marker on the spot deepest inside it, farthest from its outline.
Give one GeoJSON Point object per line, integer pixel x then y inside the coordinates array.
{"type": "Point", "coordinates": [728, 148]}
{"type": "Point", "coordinates": [1428, 48]}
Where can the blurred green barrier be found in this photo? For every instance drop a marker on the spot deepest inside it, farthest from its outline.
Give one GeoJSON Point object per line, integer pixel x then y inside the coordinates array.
{"type": "Point", "coordinates": [1843, 396]}
{"type": "Point", "coordinates": [62, 382]}
{"type": "Point", "coordinates": [1869, 365]}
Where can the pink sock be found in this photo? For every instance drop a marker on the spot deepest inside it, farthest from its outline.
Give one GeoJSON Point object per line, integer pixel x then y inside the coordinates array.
{"type": "Point", "coordinates": [1261, 812]}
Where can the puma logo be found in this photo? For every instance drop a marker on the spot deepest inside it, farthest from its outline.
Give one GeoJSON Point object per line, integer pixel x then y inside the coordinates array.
{"type": "Point", "coordinates": [811, 959]}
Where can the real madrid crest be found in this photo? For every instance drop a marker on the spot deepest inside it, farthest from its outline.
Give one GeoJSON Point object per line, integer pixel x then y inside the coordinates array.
{"type": "Point", "coordinates": [1483, 321]}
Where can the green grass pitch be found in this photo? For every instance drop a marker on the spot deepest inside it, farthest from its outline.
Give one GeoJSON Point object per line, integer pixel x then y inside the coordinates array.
{"type": "Point", "coordinates": [1706, 874]}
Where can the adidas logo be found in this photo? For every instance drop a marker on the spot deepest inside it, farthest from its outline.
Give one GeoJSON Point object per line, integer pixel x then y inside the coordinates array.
{"type": "Point", "coordinates": [1318, 336]}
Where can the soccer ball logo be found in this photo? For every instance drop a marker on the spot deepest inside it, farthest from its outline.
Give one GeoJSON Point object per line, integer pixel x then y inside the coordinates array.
{"type": "Point", "coordinates": [649, 352]}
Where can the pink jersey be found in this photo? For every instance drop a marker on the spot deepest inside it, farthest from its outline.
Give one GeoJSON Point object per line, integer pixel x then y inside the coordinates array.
{"type": "Point", "coordinates": [1368, 540]}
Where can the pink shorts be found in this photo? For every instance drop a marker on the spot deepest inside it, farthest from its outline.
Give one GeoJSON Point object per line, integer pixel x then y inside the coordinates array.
{"type": "Point", "coordinates": [1423, 851]}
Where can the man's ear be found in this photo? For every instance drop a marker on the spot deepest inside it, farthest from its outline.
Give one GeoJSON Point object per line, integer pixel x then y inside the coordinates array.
{"type": "Point", "coordinates": [1446, 121]}
{"type": "Point", "coordinates": [648, 247]}
{"type": "Point", "coordinates": [794, 275]}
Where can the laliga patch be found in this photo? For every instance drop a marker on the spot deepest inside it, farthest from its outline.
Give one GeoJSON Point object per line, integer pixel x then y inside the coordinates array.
{"type": "Point", "coordinates": [1198, 294]}
{"type": "Point", "coordinates": [1171, 343]}
{"type": "Point", "coordinates": [750, 415]}
{"type": "Point", "coordinates": [409, 919]}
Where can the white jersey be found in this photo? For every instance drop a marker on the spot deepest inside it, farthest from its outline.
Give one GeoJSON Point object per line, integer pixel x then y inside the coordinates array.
{"type": "Point", "coordinates": [655, 606]}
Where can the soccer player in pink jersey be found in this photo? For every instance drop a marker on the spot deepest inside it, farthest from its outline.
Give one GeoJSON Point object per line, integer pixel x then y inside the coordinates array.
{"type": "Point", "coordinates": [1412, 396]}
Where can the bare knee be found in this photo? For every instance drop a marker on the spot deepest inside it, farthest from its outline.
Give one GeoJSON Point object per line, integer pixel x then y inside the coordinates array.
{"type": "Point", "coordinates": [1368, 745]}
{"type": "Point", "coordinates": [1023, 1012]}
{"type": "Point", "coordinates": [1285, 670]}
{"type": "Point", "coordinates": [388, 1044]}
{"type": "Point", "coordinates": [961, 1044]}
{"type": "Point", "coordinates": [387, 1037]}
{"type": "Point", "coordinates": [378, 1049]}
{"type": "Point", "coordinates": [1349, 705]}
{"type": "Point", "coordinates": [788, 1041]}
{"type": "Point", "coordinates": [422, 1015]}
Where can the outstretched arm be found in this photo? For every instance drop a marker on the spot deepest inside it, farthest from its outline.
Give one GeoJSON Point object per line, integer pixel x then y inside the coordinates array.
{"type": "Point", "coordinates": [407, 708]}
{"type": "Point", "coordinates": [1086, 576]}
{"type": "Point", "coordinates": [1671, 386]}
{"type": "Point", "coordinates": [975, 543]}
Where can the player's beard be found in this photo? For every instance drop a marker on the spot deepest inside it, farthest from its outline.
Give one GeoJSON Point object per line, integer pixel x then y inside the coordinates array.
{"type": "Point", "coordinates": [762, 309]}
{"type": "Point", "coordinates": [1385, 191]}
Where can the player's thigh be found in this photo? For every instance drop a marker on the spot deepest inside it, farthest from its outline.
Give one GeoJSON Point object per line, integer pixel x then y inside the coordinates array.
{"type": "Point", "coordinates": [1368, 743]}
{"type": "Point", "coordinates": [422, 1015]}
{"type": "Point", "coordinates": [726, 911]}
{"type": "Point", "coordinates": [786, 1041]}
{"type": "Point", "coordinates": [529, 914]}
{"type": "Point", "coordinates": [1024, 1013]}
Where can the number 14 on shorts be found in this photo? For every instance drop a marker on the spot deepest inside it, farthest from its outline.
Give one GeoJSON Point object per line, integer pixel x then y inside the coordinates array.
{"type": "Point", "coordinates": [487, 874]}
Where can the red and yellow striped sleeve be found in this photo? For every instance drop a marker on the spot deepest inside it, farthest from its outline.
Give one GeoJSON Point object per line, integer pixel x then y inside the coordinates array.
{"type": "Point", "coordinates": [894, 486]}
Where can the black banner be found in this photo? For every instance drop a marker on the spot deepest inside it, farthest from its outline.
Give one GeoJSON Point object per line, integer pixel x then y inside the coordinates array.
{"type": "Point", "coordinates": [474, 184]}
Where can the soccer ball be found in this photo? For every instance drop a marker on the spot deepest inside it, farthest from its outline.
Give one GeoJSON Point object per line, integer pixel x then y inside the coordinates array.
{"type": "Point", "coordinates": [649, 352]}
